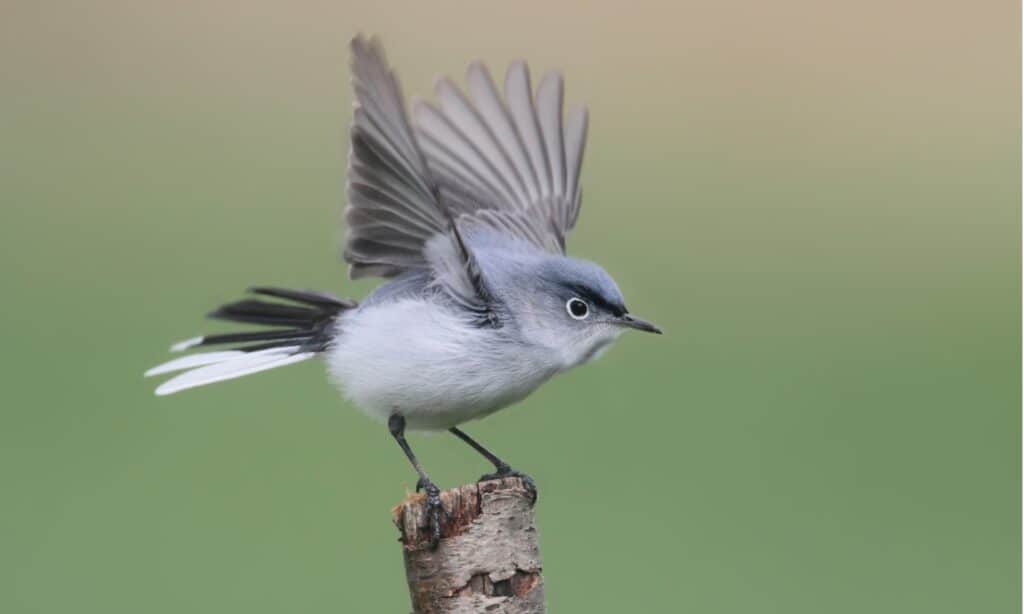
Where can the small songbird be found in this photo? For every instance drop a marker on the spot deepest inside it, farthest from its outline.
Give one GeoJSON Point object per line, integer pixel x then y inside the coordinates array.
{"type": "Point", "coordinates": [465, 210]}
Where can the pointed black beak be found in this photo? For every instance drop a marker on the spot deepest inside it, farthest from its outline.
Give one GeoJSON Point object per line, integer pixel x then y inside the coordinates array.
{"type": "Point", "coordinates": [632, 321]}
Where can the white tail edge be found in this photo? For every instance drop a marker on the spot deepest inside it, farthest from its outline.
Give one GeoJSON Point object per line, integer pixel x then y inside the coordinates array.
{"type": "Point", "coordinates": [192, 361]}
{"type": "Point", "coordinates": [181, 346]}
{"type": "Point", "coordinates": [212, 367]}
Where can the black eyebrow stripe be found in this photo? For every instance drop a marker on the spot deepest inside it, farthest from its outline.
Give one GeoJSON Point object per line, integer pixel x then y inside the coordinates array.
{"type": "Point", "coordinates": [588, 294]}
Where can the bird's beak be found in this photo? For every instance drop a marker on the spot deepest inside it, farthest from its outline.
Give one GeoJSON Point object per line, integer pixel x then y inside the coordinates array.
{"type": "Point", "coordinates": [640, 324]}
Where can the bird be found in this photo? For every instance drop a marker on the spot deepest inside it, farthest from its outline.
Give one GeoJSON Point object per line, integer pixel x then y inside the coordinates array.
{"type": "Point", "coordinates": [462, 207]}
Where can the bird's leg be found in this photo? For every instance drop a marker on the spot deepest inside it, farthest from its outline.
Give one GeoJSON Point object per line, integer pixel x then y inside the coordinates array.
{"type": "Point", "coordinates": [501, 468]}
{"type": "Point", "coordinates": [396, 424]}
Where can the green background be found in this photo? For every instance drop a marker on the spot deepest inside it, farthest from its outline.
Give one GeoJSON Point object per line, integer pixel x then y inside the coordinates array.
{"type": "Point", "coordinates": [820, 204]}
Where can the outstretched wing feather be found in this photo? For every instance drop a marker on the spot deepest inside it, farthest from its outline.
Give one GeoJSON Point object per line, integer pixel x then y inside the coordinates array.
{"type": "Point", "coordinates": [515, 155]}
{"type": "Point", "coordinates": [506, 163]}
{"type": "Point", "coordinates": [387, 175]}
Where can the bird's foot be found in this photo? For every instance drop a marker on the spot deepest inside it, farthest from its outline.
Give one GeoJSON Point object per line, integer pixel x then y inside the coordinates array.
{"type": "Point", "coordinates": [435, 510]}
{"type": "Point", "coordinates": [504, 471]}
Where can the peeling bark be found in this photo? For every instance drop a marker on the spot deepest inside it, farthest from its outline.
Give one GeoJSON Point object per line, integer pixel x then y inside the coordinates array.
{"type": "Point", "coordinates": [488, 559]}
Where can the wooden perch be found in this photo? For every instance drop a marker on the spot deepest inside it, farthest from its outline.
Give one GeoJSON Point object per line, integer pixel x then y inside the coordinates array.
{"type": "Point", "coordinates": [488, 559]}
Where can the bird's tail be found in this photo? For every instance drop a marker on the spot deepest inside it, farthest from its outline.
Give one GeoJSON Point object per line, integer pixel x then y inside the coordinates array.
{"type": "Point", "coordinates": [303, 326]}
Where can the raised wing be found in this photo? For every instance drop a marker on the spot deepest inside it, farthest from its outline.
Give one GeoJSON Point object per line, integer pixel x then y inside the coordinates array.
{"type": "Point", "coordinates": [509, 163]}
{"type": "Point", "coordinates": [393, 207]}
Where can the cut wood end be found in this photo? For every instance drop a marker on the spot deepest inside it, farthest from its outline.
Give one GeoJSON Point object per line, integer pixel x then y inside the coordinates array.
{"type": "Point", "coordinates": [411, 498]}
{"type": "Point", "coordinates": [488, 559]}
{"type": "Point", "coordinates": [462, 503]}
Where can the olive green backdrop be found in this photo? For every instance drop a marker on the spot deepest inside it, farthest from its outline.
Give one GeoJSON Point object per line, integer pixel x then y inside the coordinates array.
{"type": "Point", "coordinates": [820, 203]}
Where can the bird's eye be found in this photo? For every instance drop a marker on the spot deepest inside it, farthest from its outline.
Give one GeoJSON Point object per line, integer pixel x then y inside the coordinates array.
{"type": "Point", "coordinates": [577, 308]}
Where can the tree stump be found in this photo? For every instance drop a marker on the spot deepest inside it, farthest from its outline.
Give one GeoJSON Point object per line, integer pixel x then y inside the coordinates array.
{"type": "Point", "coordinates": [488, 559]}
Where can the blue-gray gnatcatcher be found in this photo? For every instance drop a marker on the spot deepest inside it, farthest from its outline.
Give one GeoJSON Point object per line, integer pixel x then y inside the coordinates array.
{"type": "Point", "coordinates": [465, 209]}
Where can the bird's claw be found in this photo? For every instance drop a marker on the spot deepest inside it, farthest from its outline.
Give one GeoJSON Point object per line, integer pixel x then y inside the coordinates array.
{"type": "Point", "coordinates": [435, 510]}
{"type": "Point", "coordinates": [505, 471]}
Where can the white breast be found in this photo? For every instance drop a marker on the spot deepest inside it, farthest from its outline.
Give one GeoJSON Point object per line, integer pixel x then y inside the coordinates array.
{"type": "Point", "coordinates": [420, 359]}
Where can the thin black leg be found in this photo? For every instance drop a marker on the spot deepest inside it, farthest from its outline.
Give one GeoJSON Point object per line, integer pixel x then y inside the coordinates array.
{"type": "Point", "coordinates": [500, 465]}
{"type": "Point", "coordinates": [501, 468]}
{"type": "Point", "coordinates": [396, 424]}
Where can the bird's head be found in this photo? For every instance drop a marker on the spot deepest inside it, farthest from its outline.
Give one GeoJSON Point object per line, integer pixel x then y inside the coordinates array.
{"type": "Point", "coordinates": [571, 306]}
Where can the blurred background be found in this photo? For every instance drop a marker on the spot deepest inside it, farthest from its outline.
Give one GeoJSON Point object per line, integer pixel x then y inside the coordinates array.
{"type": "Point", "coordinates": [820, 203]}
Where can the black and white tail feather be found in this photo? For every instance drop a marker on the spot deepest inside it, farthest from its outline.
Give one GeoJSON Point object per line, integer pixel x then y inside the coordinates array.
{"type": "Point", "coordinates": [302, 322]}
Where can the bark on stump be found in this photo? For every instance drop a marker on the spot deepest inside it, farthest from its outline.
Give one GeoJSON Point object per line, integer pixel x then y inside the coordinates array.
{"type": "Point", "coordinates": [488, 559]}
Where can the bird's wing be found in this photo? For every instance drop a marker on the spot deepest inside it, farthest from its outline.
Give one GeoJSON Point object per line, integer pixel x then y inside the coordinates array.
{"type": "Point", "coordinates": [510, 163]}
{"type": "Point", "coordinates": [393, 208]}
{"type": "Point", "coordinates": [505, 164]}
{"type": "Point", "coordinates": [397, 219]}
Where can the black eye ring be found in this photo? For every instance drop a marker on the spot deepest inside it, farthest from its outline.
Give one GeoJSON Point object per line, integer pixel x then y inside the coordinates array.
{"type": "Point", "coordinates": [577, 308]}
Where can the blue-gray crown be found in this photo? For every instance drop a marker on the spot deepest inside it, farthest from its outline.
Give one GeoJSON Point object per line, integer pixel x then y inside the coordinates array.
{"type": "Point", "coordinates": [584, 279]}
